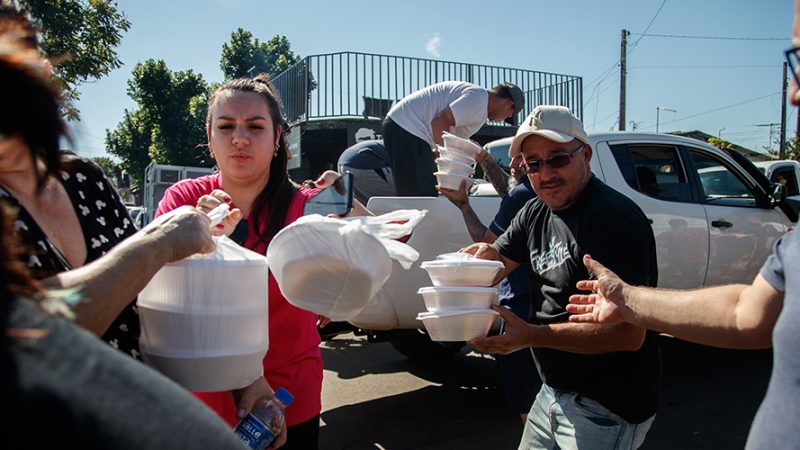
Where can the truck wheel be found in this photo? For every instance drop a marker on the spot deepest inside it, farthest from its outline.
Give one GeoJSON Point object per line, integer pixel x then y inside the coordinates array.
{"type": "Point", "coordinates": [418, 346]}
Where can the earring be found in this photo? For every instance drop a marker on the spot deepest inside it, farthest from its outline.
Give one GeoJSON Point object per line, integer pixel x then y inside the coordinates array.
{"type": "Point", "coordinates": [275, 155]}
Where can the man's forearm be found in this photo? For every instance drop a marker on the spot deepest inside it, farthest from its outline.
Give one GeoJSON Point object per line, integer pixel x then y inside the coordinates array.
{"type": "Point", "coordinates": [495, 174]}
{"type": "Point", "coordinates": [477, 230]}
{"type": "Point", "coordinates": [732, 316]}
{"type": "Point", "coordinates": [589, 339]}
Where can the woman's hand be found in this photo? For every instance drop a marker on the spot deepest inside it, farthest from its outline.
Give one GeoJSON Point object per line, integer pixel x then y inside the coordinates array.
{"type": "Point", "coordinates": [217, 197]}
{"type": "Point", "coordinates": [247, 397]}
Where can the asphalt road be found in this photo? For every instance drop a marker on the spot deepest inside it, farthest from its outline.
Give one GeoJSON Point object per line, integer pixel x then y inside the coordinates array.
{"type": "Point", "coordinates": [375, 398]}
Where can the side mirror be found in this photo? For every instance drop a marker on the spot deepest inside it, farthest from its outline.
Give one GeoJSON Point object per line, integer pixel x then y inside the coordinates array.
{"type": "Point", "coordinates": [336, 199]}
{"type": "Point", "coordinates": [777, 194]}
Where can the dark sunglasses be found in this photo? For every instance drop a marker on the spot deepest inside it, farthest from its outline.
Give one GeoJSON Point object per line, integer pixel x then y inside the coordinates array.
{"type": "Point", "coordinates": [556, 162]}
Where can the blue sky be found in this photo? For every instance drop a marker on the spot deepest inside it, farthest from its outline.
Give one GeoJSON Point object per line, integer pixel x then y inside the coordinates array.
{"type": "Point", "coordinates": [720, 86]}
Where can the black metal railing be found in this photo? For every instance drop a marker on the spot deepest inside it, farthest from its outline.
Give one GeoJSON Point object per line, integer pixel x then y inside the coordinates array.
{"type": "Point", "coordinates": [349, 84]}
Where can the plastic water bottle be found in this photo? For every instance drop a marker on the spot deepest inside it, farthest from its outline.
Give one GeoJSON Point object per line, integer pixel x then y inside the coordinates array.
{"type": "Point", "coordinates": [265, 421]}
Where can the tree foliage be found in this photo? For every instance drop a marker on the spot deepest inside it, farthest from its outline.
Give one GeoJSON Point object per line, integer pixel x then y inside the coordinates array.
{"type": "Point", "coordinates": [111, 169]}
{"type": "Point", "coordinates": [168, 124]}
{"type": "Point", "coordinates": [245, 55]}
{"type": "Point", "coordinates": [80, 38]}
{"type": "Point", "coordinates": [791, 149]}
{"type": "Point", "coordinates": [719, 143]}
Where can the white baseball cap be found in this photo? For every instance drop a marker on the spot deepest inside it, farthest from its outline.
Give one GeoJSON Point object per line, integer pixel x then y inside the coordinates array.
{"type": "Point", "coordinates": [555, 123]}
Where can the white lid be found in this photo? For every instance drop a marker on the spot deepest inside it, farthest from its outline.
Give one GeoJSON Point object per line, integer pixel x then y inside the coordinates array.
{"type": "Point", "coordinates": [456, 255]}
{"type": "Point", "coordinates": [453, 161]}
{"type": "Point", "coordinates": [425, 290]}
{"type": "Point", "coordinates": [456, 312]}
{"type": "Point", "coordinates": [451, 175]}
{"type": "Point", "coordinates": [476, 262]}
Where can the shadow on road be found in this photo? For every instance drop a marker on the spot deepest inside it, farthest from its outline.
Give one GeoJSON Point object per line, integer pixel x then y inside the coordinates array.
{"type": "Point", "coordinates": [709, 399]}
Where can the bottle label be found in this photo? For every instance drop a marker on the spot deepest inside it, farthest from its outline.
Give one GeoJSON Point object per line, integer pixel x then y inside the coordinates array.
{"type": "Point", "coordinates": [254, 433]}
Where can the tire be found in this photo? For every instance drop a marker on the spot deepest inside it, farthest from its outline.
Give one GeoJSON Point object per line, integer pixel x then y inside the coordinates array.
{"type": "Point", "coordinates": [334, 329]}
{"type": "Point", "coordinates": [416, 345]}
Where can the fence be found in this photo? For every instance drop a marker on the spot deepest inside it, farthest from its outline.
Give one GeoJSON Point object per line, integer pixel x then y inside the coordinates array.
{"type": "Point", "coordinates": [349, 84]}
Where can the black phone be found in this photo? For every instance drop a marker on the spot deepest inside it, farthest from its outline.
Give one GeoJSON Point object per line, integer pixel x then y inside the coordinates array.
{"type": "Point", "coordinates": [336, 199]}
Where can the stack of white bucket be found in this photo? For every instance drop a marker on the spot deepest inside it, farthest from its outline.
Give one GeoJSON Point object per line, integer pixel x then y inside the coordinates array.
{"type": "Point", "coordinates": [458, 303]}
{"type": "Point", "coordinates": [456, 162]}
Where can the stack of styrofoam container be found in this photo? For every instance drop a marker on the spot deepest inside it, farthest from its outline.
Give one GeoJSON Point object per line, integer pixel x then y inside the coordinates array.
{"type": "Point", "coordinates": [458, 303]}
{"type": "Point", "coordinates": [456, 162]}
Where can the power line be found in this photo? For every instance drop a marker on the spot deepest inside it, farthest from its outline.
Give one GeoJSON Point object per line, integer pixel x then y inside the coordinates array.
{"type": "Point", "coordinates": [721, 38]}
{"type": "Point", "coordinates": [648, 25]}
{"type": "Point", "coordinates": [771, 66]}
{"type": "Point", "coordinates": [722, 108]}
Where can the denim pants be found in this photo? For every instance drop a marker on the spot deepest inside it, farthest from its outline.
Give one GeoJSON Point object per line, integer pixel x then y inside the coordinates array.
{"type": "Point", "coordinates": [570, 421]}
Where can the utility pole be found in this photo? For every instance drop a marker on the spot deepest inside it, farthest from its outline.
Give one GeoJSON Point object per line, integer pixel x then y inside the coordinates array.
{"type": "Point", "coordinates": [782, 148]}
{"type": "Point", "coordinates": [622, 72]}
{"type": "Point", "coordinates": [771, 132]}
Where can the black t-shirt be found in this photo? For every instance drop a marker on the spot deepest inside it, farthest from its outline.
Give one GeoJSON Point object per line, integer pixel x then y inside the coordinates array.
{"type": "Point", "coordinates": [610, 227]}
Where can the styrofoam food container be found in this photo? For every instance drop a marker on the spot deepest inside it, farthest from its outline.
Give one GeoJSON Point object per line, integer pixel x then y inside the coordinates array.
{"type": "Point", "coordinates": [453, 182]}
{"type": "Point", "coordinates": [448, 298]}
{"type": "Point", "coordinates": [453, 167]}
{"type": "Point", "coordinates": [454, 155]}
{"type": "Point", "coordinates": [468, 272]}
{"type": "Point", "coordinates": [456, 255]}
{"type": "Point", "coordinates": [458, 326]}
{"type": "Point", "coordinates": [461, 145]}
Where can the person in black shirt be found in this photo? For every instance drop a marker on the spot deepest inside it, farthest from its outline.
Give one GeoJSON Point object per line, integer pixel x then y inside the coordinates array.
{"type": "Point", "coordinates": [600, 383]}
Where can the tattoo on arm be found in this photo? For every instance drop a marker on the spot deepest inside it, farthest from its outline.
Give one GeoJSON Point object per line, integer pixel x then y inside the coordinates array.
{"type": "Point", "coordinates": [476, 229]}
{"type": "Point", "coordinates": [497, 177]}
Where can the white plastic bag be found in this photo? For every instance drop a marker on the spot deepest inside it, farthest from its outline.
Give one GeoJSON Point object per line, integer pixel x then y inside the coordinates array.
{"type": "Point", "coordinates": [391, 226]}
{"type": "Point", "coordinates": [333, 267]}
{"type": "Point", "coordinates": [204, 319]}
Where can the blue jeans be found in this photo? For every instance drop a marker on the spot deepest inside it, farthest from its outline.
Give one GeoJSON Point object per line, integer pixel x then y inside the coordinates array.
{"type": "Point", "coordinates": [566, 420]}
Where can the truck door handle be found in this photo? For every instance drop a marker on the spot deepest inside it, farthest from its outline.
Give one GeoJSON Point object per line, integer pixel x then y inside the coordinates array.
{"type": "Point", "coordinates": [721, 224]}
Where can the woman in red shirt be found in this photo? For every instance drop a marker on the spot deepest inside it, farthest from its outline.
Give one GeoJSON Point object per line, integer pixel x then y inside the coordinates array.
{"type": "Point", "coordinates": [245, 132]}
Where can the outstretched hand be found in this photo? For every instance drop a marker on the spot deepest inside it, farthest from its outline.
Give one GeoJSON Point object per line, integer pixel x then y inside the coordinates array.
{"type": "Point", "coordinates": [606, 303]}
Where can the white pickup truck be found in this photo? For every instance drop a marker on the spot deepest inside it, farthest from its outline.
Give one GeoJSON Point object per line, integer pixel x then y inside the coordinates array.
{"type": "Point", "coordinates": [714, 215]}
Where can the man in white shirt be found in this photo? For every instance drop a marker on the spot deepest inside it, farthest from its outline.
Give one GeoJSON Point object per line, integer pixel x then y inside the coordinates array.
{"type": "Point", "coordinates": [415, 124]}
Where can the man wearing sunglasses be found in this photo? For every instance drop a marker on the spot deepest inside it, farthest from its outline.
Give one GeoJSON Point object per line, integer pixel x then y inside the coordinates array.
{"type": "Point", "coordinates": [762, 314]}
{"type": "Point", "coordinates": [600, 382]}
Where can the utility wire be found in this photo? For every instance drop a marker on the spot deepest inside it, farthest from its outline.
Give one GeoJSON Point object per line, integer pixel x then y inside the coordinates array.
{"type": "Point", "coordinates": [721, 108]}
{"type": "Point", "coordinates": [721, 38]}
{"type": "Point", "coordinates": [648, 26]}
{"type": "Point", "coordinates": [771, 66]}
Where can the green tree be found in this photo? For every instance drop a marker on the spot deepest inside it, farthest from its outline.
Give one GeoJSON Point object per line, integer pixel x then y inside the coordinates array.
{"type": "Point", "coordinates": [80, 38]}
{"type": "Point", "coordinates": [792, 149]}
{"type": "Point", "coordinates": [111, 169]}
{"type": "Point", "coordinates": [168, 123]}
{"type": "Point", "coordinates": [719, 143]}
{"type": "Point", "coordinates": [245, 55]}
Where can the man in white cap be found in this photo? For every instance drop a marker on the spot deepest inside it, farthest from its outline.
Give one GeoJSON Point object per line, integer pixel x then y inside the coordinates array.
{"type": "Point", "coordinates": [414, 126]}
{"type": "Point", "coordinates": [600, 382]}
